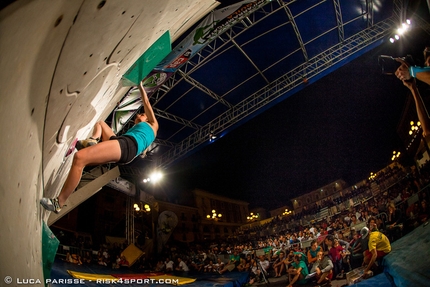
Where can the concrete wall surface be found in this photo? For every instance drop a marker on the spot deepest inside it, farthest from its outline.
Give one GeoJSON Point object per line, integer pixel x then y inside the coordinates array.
{"type": "Point", "coordinates": [61, 64]}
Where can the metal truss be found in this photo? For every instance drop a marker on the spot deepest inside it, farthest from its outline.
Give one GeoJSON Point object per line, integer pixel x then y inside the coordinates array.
{"type": "Point", "coordinates": [179, 120]}
{"type": "Point", "coordinates": [207, 53]}
{"type": "Point", "coordinates": [203, 88]}
{"type": "Point", "coordinates": [279, 87]}
{"type": "Point", "coordinates": [421, 23]}
{"type": "Point", "coordinates": [339, 20]}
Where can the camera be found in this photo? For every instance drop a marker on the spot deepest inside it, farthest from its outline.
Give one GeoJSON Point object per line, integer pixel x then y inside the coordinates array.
{"type": "Point", "coordinates": [389, 64]}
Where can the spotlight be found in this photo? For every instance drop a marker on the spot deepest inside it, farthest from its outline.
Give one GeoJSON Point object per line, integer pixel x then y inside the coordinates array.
{"type": "Point", "coordinates": [392, 40]}
{"type": "Point", "coordinates": [156, 176]}
{"type": "Point", "coordinates": [397, 36]}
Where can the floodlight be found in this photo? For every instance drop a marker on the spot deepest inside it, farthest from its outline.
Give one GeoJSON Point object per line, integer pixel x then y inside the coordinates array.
{"type": "Point", "coordinates": [156, 176]}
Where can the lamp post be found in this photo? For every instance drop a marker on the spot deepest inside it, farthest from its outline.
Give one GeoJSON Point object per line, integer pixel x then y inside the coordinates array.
{"type": "Point", "coordinates": [286, 212]}
{"type": "Point", "coordinates": [253, 216]}
{"type": "Point", "coordinates": [395, 155]}
{"type": "Point", "coordinates": [214, 216]}
{"type": "Point", "coordinates": [414, 132]}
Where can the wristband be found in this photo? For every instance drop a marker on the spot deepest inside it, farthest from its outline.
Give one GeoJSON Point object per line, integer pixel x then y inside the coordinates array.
{"type": "Point", "coordinates": [413, 70]}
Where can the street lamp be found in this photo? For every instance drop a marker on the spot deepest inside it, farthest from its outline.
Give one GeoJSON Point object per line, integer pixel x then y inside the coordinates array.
{"type": "Point", "coordinates": [286, 212]}
{"type": "Point", "coordinates": [414, 131]}
{"type": "Point", "coordinates": [140, 207]}
{"type": "Point", "coordinates": [395, 155]}
{"type": "Point", "coordinates": [214, 215]}
{"type": "Point", "coordinates": [253, 216]}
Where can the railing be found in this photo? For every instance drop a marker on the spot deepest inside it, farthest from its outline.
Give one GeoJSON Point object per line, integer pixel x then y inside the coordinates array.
{"type": "Point", "coordinates": [64, 249]}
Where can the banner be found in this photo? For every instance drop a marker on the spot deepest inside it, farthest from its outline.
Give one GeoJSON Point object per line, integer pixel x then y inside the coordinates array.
{"type": "Point", "coordinates": [213, 25]}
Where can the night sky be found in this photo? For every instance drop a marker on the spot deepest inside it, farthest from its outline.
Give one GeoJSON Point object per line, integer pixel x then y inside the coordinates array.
{"type": "Point", "coordinates": [341, 127]}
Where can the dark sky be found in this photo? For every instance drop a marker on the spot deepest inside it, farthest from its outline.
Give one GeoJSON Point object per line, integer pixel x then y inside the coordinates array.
{"type": "Point", "coordinates": [342, 127]}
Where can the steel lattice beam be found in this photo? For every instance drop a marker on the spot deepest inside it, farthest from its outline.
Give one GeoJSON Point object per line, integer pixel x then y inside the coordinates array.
{"type": "Point", "coordinates": [203, 88]}
{"type": "Point", "coordinates": [296, 31]}
{"type": "Point", "coordinates": [339, 20]}
{"type": "Point", "coordinates": [279, 87]}
{"type": "Point", "coordinates": [179, 120]}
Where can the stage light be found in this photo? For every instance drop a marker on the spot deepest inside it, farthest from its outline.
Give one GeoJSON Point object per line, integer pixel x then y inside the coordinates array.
{"type": "Point", "coordinates": [392, 40]}
{"type": "Point", "coordinates": [400, 31]}
{"type": "Point", "coordinates": [156, 176]}
{"type": "Point", "coordinates": [397, 36]}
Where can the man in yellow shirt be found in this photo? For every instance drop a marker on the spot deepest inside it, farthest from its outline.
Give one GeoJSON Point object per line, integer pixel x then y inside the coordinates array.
{"type": "Point", "coordinates": [378, 245]}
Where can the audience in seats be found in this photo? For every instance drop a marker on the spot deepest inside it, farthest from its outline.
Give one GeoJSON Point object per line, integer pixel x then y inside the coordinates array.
{"type": "Point", "coordinates": [303, 235]}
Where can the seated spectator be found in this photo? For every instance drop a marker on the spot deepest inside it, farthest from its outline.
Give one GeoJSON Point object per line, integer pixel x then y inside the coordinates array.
{"type": "Point", "coordinates": [298, 273]}
{"type": "Point", "coordinates": [323, 267]}
{"type": "Point", "coordinates": [412, 219]}
{"type": "Point", "coordinates": [424, 211]}
{"type": "Point", "coordinates": [123, 262]}
{"type": "Point", "coordinates": [182, 266]}
{"type": "Point", "coordinates": [232, 264]}
{"type": "Point", "coordinates": [354, 221]}
{"type": "Point", "coordinates": [73, 258]}
{"type": "Point", "coordinates": [333, 251]}
{"type": "Point", "coordinates": [87, 258]}
{"type": "Point", "coordinates": [355, 250]}
{"type": "Point", "coordinates": [248, 262]}
{"type": "Point", "coordinates": [313, 251]}
{"type": "Point", "coordinates": [219, 265]}
{"type": "Point", "coordinates": [242, 265]}
{"type": "Point", "coordinates": [255, 274]}
{"type": "Point", "coordinates": [115, 264]}
{"type": "Point", "coordinates": [278, 264]}
{"type": "Point", "coordinates": [265, 264]}
{"type": "Point", "coordinates": [209, 268]}
{"type": "Point", "coordinates": [160, 266]}
{"type": "Point", "coordinates": [169, 265]}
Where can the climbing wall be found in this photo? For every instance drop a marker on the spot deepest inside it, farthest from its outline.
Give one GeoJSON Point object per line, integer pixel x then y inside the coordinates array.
{"type": "Point", "coordinates": [61, 66]}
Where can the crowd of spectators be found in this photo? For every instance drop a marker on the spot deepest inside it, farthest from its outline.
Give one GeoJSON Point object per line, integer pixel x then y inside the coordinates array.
{"type": "Point", "coordinates": [279, 247]}
{"type": "Point", "coordinates": [290, 246]}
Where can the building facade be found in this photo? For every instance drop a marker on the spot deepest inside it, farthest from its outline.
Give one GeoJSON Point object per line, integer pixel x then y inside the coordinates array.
{"type": "Point", "coordinates": [318, 196]}
{"type": "Point", "coordinates": [233, 214]}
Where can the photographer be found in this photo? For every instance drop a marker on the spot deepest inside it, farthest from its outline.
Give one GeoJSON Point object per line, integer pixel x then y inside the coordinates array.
{"type": "Point", "coordinates": [407, 72]}
{"type": "Point", "coordinates": [407, 75]}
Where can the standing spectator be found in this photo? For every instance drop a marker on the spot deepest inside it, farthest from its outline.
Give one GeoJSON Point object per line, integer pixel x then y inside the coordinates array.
{"type": "Point", "coordinates": [394, 222]}
{"type": "Point", "coordinates": [378, 245]}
